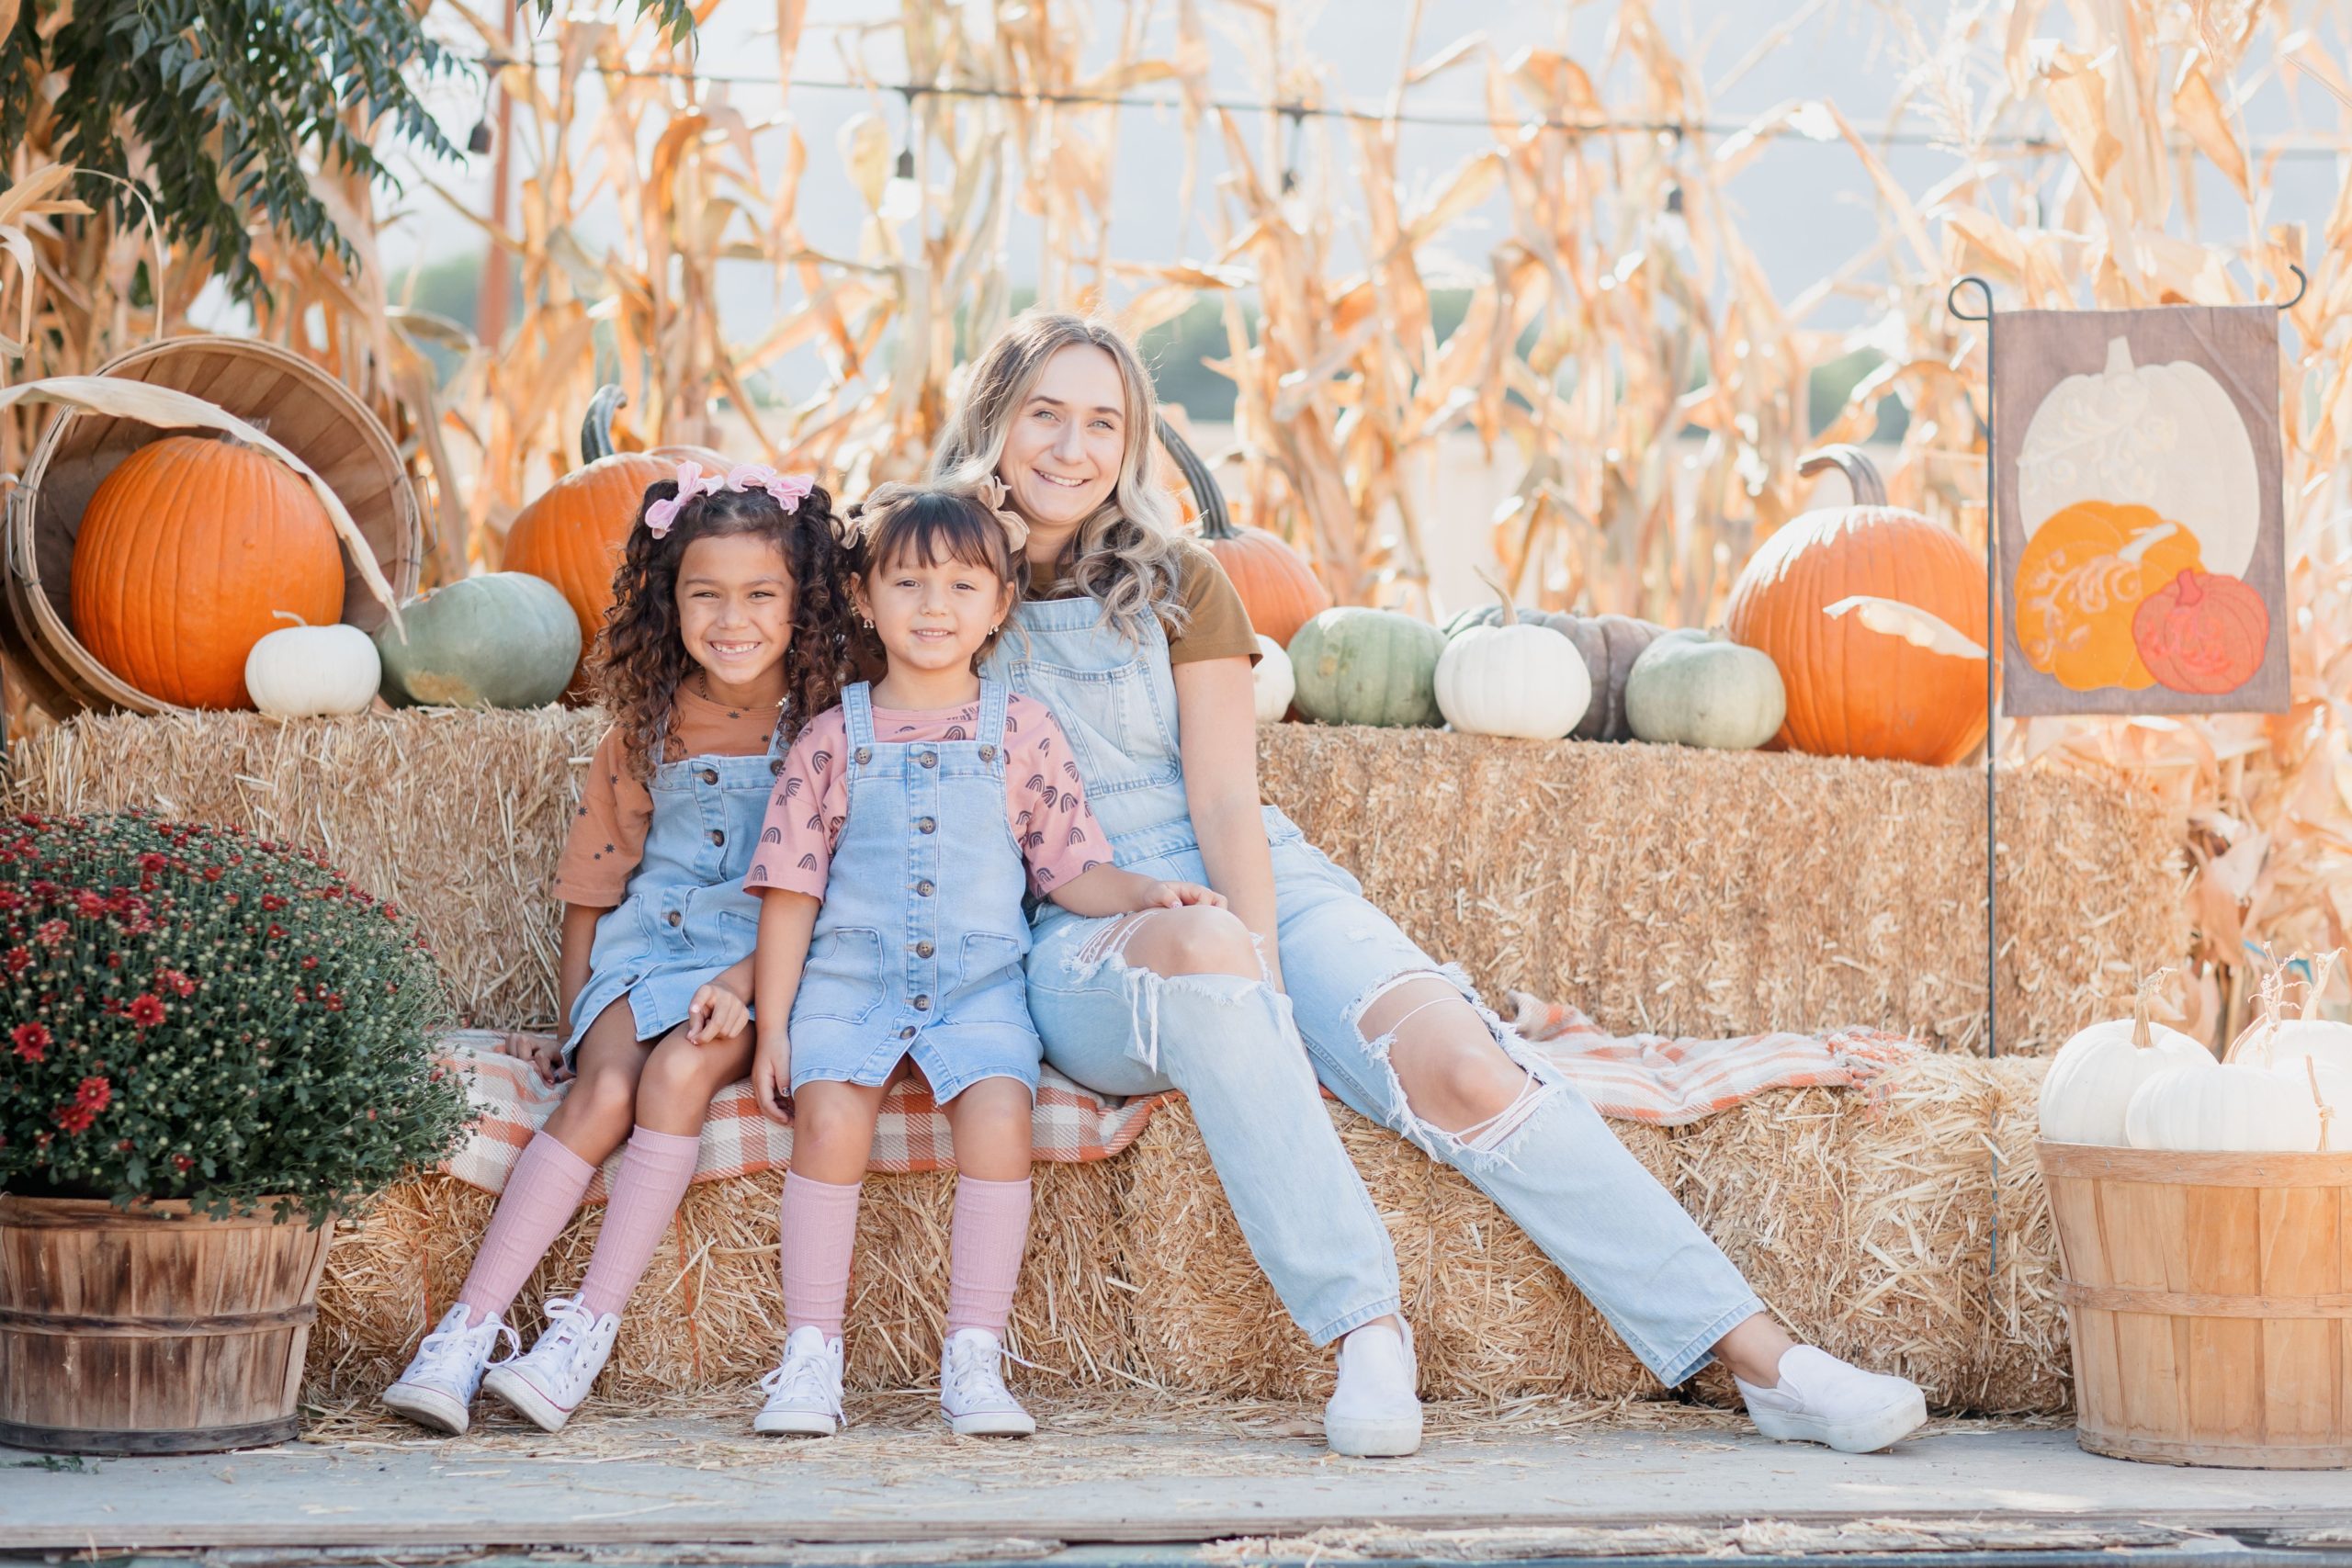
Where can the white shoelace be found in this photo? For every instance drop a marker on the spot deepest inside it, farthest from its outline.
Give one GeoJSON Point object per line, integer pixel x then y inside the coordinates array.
{"type": "Point", "coordinates": [978, 1378]}
{"type": "Point", "coordinates": [444, 1346]}
{"type": "Point", "coordinates": [568, 1324]}
{"type": "Point", "coordinates": [802, 1381]}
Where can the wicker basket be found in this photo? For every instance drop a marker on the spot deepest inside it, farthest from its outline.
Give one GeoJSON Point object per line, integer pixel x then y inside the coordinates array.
{"type": "Point", "coordinates": [2208, 1297]}
{"type": "Point", "coordinates": [302, 407]}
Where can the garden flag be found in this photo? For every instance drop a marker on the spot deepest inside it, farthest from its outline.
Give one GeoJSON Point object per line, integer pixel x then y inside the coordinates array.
{"type": "Point", "coordinates": [2142, 553]}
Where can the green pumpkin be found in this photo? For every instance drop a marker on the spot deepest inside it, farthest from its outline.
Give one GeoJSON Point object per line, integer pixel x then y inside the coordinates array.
{"type": "Point", "coordinates": [504, 641]}
{"type": "Point", "coordinates": [1375, 667]}
{"type": "Point", "coordinates": [1692, 689]}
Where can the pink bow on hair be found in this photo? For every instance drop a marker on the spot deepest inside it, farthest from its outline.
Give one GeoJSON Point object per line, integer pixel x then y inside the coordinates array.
{"type": "Point", "coordinates": [661, 514]}
{"type": "Point", "coordinates": [789, 489]}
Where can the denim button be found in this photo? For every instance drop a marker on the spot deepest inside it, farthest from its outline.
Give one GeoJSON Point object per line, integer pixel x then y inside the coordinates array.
{"type": "Point", "coordinates": [924, 887]}
{"type": "Point", "coordinates": [929, 759]}
{"type": "Point", "coordinates": [987, 753]}
{"type": "Point", "coordinates": [926, 825]}
{"type": "Point", "coordinates": [775, 768]}
{"type": "Point", "coordinates": [717, 835]}
{"type": "Point", "coordinates": [924, 950]}
{"type": "Point", "coordinates": [677, 917]}
{"type": "Point", "coordinates": [866, 753]}
{"type": "Point", "coordinates": [708, 776]}
{"type": "Point", "coordinates": [922, 1004]}
{"type": "Point", "coordinates": [907, 1032]}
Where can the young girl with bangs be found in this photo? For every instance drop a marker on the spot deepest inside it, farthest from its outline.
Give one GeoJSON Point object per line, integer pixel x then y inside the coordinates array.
{"type": "Point", "coordinates": [728, 628]}
{"type": "Point", "coordinates": [907, 827]}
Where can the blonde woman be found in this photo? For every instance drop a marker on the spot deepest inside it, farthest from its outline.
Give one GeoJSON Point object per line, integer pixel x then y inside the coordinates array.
{"type": "Point", "coordinates": [1141, 648]}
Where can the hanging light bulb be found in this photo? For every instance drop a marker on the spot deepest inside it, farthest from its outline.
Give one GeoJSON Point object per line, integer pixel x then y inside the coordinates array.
{"type": "Point", "coordinates": [902, 195]}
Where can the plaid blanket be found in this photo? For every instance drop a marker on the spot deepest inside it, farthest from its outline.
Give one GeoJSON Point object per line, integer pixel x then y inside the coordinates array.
{"type": "Point", "coordinates": [1641, 1077]}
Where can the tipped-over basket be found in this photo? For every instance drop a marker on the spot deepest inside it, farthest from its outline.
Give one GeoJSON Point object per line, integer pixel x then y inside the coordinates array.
{"type": "Point", "coordinates": [299, 405]}
{"type": "Point", "coordinates": [2208, 1297]}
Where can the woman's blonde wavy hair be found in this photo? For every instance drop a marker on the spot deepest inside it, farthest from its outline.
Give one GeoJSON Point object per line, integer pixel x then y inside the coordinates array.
{"type": "Point", "coordinates": [1124, 557]}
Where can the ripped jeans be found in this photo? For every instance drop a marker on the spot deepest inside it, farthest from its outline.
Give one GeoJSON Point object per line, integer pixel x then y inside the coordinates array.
{"type": "Point", "coordinates": [1549, 1162]}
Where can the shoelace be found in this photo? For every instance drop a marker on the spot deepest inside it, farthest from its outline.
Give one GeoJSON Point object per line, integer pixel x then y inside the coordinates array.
{"type": "Point", "coordinates": [445, 1345]}
{"type": "Point", "coordinates": [974, 1374]}
{"type": "Point", "coordinates": [567, 1323]}
{"type": "Point", "coordinates": [801, 1379]}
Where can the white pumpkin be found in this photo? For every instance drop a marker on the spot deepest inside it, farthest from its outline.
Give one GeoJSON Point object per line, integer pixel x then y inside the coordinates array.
{"type": "Point", "coordinates": [1273, 681]}
{"type": "Point", "coordinates": [1512, 678]}
{"type": "Point", "coordinates": [304, 671]}
{"type": "Point", "coordinates": [2164, 436]}
{"type": "Point", "coordinates": [1694, 688]}
{"type": "Point", "coordinates": [2245, 1105]}
{"type": "Point", "coordinates": [2323, 1040]}
{"type": "Point", "coordinates": [2092, 1080]}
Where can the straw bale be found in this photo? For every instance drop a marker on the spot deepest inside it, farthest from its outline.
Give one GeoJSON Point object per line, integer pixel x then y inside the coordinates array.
{"type": "Point", "coordinates": [2027, 1362]}
{"type": "Point", "coordinates": [1492, 1316]}
{"type": "Point", "coordinates": [456, 814]}
{"type": "Point", "coordinates": [1710, 893]}
{"type": "Point", "coordinates": [1865, 1222]}
{"type": "Point", "coordinates": [707, 1314]}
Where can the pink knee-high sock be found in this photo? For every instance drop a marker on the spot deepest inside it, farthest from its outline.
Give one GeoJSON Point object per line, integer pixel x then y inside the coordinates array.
{"type": "Point", "coordinates": [990, 1230]}
{"type": "Point", "coordinates": [818, 1224]}
{"type": "Point", "coordinates": [655, 1173]}
{"type": "Point", "coordinates": [541, 1195]}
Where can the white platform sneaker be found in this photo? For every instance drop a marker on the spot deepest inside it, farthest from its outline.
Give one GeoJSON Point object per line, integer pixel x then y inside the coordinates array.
{"type": "Point", "coordinates": [438, 1389]}
{"type": "Point", "coordinates": [805, 1391]}
{"type": "Point", "coordinates": [1821, 1399]}
{"type": "Point", "coordinates": [546, 1383]}
{"type": "Point", "coordinates": [972, 1395]}
{"type": "Point", "coordinates": [1376, 1411]}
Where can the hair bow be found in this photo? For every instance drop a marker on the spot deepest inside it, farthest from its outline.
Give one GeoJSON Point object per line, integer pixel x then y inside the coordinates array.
{"type": "Point", "coordinates": [789, 489]}
{"type": "Point", "coordinates": [997, 499]}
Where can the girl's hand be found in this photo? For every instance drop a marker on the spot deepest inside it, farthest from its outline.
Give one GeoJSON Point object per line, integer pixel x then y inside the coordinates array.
{"type": "Point", "coordinates": [544, 1052]}
{"type": "Point", "coordinates": [716, 1013]}
{"type": "Point", "coordinates": [1178, 895]}
{"type": "Point", "coordinates": [772, 1080]}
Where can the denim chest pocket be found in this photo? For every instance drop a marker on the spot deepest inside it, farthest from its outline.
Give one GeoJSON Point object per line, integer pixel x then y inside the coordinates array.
{"type": "Point", "coordinates": [1113, 720]}
{"type": "Point", "coordinates": [842, 979]}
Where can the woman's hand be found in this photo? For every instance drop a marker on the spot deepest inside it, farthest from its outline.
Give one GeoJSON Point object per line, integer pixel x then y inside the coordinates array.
{"type": "Point", "coordinates": [1181, 895]}
{"type": "Point", "coordinates": [715, 1014]}
{"type": "Point", "coordinates": [772, 1080]}
{"type": "Point", "coordinates": [544, 1052]}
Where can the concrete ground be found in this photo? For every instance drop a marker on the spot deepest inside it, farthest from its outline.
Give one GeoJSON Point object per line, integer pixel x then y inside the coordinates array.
{"type": "Point", "coordinates": [1132, 1483]}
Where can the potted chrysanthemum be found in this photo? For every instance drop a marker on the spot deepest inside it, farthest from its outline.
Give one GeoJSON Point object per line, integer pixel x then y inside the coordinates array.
{"type": "Point", "coordinates": [210, 1045]}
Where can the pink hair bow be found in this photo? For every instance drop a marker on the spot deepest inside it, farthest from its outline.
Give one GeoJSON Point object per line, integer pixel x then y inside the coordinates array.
{"type": "Point", "coordinates": [692, 485]}
{"type": "Point", "coordinates": [789, 489]}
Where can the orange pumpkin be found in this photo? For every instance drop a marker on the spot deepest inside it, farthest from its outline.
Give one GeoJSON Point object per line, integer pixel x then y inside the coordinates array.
{"type": "Point", "coordinates": [1277, 587]}
{"type": "Point", "coordinates": [2079, 584]}
{"type": "Point", "coordinates": [1853, 692]}
{"type": "Point", "coordinates": [572, 534]}
{"type": "Point", "coordinates": [188, 552]}
{"type": "Point", "coordinates": [2202, 632]}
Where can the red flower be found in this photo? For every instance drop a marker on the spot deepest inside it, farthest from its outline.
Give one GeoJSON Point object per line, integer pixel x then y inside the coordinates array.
{"type": "Point", "coordinates": [153, 861]}
{"type": "Point", "coordinates": [212, 874]}
{"type": "Point", "coordinates": [276, 930]}
{"type": "Point", "coordinates": [271, 903]}
{"type": "Point", "coordinates": [93, 1094]}
{"type": "Point", "coordinates": [309, 961]}
{"type": "Point", "coordinates": [391, 911]}
{"type": "Point", "coordinates": [48, 933]}
{"type": "Point", "coordinates": [89, 905]}
{"type": "Point", "coordinates": [334, 1001]}
{"type": "Point", "coordinates": [18, 959]}
{"type": "Point", "coordinates": [182, 1164]}
{"type": "Point", "coordinates": [146, 1010]}
{"type": "Point", "coordinates": [173, 980]}
{"type": "Point", "coordinates": [10, 899]}
{"type": "Point", "coordinates": [31, 1041]}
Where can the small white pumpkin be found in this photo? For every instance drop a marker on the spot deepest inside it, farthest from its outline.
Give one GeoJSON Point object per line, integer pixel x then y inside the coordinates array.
{"type": "Point", "coordinates": [2247, 1104]}
{"type": "Point", "coordinates": [306, 671]}
{"type": "Point", "coordinates": [1512, 678]}
{"type": "Point", "coordinates": [2091, 1080]}
{"type": "Point", "coordinates": [1273, 681]}
{"type": "Point", "coordinates": [2323, 1040]}
{"type": "Point", "coordinates": [1695, 688]}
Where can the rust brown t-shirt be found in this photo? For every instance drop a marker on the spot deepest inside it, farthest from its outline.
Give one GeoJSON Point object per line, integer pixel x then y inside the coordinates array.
{"type": "Point", "coordinates": [607, 836]}
{"type": "Point", "coordinates": [1217, 625]}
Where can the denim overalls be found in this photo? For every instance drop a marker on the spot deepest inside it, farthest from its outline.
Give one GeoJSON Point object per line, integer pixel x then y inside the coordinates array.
{"type": "Point", "coordinates": [1556, 1169]}
{"type": "Point", "coordinates": [685, 916]}
{"type": "Point", "coordinates": [919, 942]}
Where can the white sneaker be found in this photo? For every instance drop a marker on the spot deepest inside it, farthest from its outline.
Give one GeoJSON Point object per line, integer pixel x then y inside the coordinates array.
{"type": "Point", "coordinates": [805, 1391]}
{"type": "Point", "coordinates": [1376, 1411]}
{"type": "Point", "coordinates": [437, 1390]}
{"type": "Point", "coordinates": [972, 1395]}
{"type": "Point", "coordinates": [1820, 1399]}
{"type": "Point", "coordinates": [546, 1383]}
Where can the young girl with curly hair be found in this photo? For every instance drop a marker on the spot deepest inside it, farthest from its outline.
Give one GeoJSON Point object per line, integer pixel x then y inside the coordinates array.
{"type": "Point", "coordinates": [728, 629]}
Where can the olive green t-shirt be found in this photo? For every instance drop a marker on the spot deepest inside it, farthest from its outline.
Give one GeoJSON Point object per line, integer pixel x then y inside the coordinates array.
{"type": "Point", "coordinates": [1215, 626]}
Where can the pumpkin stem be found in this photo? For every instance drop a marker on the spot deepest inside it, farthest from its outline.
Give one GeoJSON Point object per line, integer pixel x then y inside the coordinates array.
{"type": "Point", "coordinates": [2119, 355]}
{"type": "Point", "coordinates": [2143, 1035]}
{"type": "Point", "coordinates": [1510, 611]}
{"type": "Point", "coordinates": [290, 615]}
{"type": "Point", "coordinates": [1216, 523]}
{"type": "Point", "coordinates": [2191, 591]}
{"type": "Point", "coordinates": [596, 430]}
{"type": "Point", "coordinates": [1861, 475]}
{"type": "Point", "coordinates": [2321, 972]}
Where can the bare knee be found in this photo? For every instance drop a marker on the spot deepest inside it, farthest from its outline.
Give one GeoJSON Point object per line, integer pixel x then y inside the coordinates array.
{"type": "Point", "coordinates": [829, 1120]}
{"type": "Point", "coordinates": [992, 1124]}
{"type": "Point", "coordinates": [1197, 939]}
{"type": "Point", "coordinates": [1453, 1074]}
{"type": "Point", "coordinates": [598, 1108]}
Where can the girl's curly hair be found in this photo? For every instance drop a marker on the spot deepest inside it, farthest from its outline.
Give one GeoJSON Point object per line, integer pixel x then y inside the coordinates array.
{"type": "Point", "coordinates": [640, 655]}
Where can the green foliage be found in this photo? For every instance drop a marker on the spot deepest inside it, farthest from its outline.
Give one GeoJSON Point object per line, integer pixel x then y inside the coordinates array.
{"type": "Point", "coordinates": [186, 1012]}
{"type": "Point", "coordinates": [223, 101]}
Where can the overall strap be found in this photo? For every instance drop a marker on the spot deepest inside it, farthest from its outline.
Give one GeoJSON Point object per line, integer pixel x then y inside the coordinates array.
{"type": "Point", "coordinates": [857, 709]}
{"type": "Point", "coordinates": [991, 731]}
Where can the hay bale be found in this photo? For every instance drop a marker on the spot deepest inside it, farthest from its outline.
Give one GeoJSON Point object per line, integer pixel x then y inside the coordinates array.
{"type": "Point", "coordinates": [707, 1314]}
{"type": "Point", "coordinates": [1492, 1316]}
{"type": "Point", "coordinates": [456, 815]}
{"type": "Point", "coordinates": [1865, 1222]}
{"type": "Point", "coordinates": [2028, 1361]}
{"type": "Point", "coordinates": [1710, 893]}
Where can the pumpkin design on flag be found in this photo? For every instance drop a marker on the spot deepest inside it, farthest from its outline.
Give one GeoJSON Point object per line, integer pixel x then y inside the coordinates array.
{"type": "Point", "coordinates": [2162, 436]}
{"type": "Point", "coordinates": [2081, 582]}
{"type": "Point", "coordinates": [2202, 632]}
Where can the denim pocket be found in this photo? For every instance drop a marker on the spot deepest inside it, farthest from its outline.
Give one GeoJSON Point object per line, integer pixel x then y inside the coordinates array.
{"type": "Point", "coordinates": [1116, 731]}
{"type": "Point", "coordinates": [843, 977]}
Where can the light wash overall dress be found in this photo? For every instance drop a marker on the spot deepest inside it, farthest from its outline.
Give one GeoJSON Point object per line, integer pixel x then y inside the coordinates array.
{"type": "Point", "coordinates": [684, 917]}
{"type": "Point", "coordinates": [919, 945]}
{"type": "Point", "coordinates": [1559, 1172]}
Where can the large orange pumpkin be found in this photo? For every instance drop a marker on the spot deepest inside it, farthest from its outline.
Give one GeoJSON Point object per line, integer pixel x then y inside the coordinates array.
{"type": "Point", "coordinates": [188, 552]}
{"type": "Point", "coordinates": [1277, 587]}
{"type": "Point", "coordinates": [572, 535]}
{"type": "Point", "coordinates": [1854, 691]}
{"type": "Point", "coordinates": [2081, 580]}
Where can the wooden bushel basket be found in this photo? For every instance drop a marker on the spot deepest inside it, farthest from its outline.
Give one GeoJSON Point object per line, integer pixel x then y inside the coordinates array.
{"type": "Point", "coordinates": [151, 1331]}
{"type": "Point", "coordinates": [2208, 1297]}
{"type": "Point", "coordinates": [301, 406]}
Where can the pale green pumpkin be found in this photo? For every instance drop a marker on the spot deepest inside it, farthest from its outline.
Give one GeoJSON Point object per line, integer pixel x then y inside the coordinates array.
{"type": "Point", "coordinates": [1375, 667]}
{"type": "Point", "coordinates": [504, 641]}
{"type": "Point", "coordinates": [1690, 689]}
